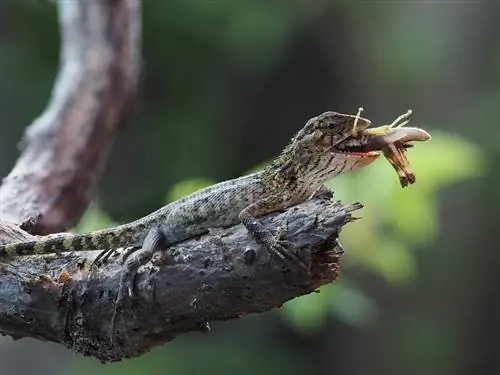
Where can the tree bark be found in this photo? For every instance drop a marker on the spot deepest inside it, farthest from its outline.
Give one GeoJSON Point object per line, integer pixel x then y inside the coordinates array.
{"type": "Point", "coordinates": [65, 149]}
{"type": "Point", "coordinates": [224, 274]}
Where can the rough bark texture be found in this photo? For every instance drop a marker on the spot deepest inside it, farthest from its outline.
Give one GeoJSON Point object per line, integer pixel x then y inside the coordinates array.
{"type": "Point", "coordinates": [65, 149]}
{"type": "Point", "coordinates": [222, 275]}
{"type": "Point", "coordinates": [57, 298]}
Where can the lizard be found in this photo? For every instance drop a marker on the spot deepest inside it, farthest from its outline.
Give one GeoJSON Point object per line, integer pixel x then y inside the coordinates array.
{"type": "Point", "coordinates": [329, 144]}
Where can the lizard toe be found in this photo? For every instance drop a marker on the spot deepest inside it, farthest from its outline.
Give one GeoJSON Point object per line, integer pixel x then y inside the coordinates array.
{"type": "Point", "coordinates": [286, 251]}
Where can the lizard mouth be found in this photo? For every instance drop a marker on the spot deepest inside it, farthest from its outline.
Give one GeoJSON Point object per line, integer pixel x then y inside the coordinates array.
{"type": "Point", "coordinates": [356, 151]}
{"type": "Point", "coordinates": [392, 142]}
{"type": "Point", "coordinates": [365, 150]}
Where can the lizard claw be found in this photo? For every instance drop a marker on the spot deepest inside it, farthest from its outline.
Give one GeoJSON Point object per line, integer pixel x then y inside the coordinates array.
{"type": "Point", "coordinates": [102, 258]}
{"type": "Point", "coordinates": [286, 251]}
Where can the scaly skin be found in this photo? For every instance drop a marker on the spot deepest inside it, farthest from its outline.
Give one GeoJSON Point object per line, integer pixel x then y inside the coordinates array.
{"type": "Point", "coordinates": [317, 153]}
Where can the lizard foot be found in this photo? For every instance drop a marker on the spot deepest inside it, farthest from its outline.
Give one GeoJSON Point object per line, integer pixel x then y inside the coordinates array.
{"type": "Point", "coordinates": [287, 253]}
{"type": "Point", "coordinates": [102, 258]}
{"type": "Point", "coordinates": [133, 260]}
{"type": "Point", "coordinates": [280, 233]}
{"type": "Point", "coordinates": [286, 250]}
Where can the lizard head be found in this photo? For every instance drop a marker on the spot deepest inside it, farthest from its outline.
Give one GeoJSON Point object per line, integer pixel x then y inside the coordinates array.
{"type": "Point", "coordinates": [328, 129]}
{"type": "Point", "coordinates": [334, 143]}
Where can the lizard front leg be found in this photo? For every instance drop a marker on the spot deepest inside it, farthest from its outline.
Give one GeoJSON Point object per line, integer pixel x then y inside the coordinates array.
{"type": "Point", "coordinates": [280, 248]}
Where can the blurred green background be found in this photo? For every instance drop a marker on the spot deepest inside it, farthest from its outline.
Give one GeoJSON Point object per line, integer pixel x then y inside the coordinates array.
{"type": "Point", "coordinates": [226, 84]}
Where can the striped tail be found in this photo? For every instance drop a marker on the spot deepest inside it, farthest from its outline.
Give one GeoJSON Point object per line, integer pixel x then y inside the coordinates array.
{"type": "Point", "coordinates": [99, 240]}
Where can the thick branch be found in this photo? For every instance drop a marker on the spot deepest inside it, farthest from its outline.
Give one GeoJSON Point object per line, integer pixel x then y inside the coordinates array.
{"type": "Point", "coordinates": [65, 148]}
{"type": "Point", "coordinates": [219, 276]}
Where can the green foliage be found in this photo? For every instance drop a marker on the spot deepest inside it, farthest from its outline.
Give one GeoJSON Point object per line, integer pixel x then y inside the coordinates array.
{"type": "Point", "coordinates": [432, 346]}
{"type": "Point", "coordinates": [308, 313]}
{"type": "Point", "coordinates": [235, 29]}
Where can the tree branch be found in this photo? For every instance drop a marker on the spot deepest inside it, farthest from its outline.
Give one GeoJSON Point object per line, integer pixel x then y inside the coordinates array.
{"type": "Point", "coordinates": [65, 148]}
{"type": "Point", "coordinates": [219, 276]}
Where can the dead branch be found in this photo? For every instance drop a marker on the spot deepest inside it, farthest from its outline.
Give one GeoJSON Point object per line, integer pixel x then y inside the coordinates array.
{"type": "Point", "coordinates": [65, 149]}
{"type": "Point", "coordinates": [219, 276]}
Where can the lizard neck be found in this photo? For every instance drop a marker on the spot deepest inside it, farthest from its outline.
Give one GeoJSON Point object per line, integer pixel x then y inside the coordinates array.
{"type": "Point", "coordinates": [306, 171]}
{"type": "Point", "coordinates": [292, 172]}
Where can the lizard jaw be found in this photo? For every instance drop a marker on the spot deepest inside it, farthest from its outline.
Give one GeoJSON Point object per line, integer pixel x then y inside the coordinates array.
{"type": "Point", "coordinates": [358, 154]}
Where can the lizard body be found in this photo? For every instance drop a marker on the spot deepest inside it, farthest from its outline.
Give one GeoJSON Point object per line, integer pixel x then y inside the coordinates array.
{"type": "Point", "coordinates": [179, 220]}
{"type": "Point", "coordinates": [328, 145]}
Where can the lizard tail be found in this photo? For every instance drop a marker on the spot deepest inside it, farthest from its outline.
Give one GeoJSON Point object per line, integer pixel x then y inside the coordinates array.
{"type": "Point", "coordinates": [100, 240]}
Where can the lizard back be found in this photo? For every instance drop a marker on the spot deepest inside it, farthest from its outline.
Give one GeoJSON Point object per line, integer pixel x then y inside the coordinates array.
{"type": "Point", "coordinates": [214, 206]}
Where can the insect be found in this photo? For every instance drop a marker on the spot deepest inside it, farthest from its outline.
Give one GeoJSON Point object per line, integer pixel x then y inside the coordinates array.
{"type": "Point", "coordinates": [394, 145]}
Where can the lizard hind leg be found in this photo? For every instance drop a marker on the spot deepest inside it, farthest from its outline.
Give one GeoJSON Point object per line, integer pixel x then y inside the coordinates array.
{"type": "Point", "coordinates": [155, 240]}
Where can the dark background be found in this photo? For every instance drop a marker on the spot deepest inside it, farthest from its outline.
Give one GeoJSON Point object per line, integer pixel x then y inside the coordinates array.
{"type": "Point", "coordinates": [225, 85]}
